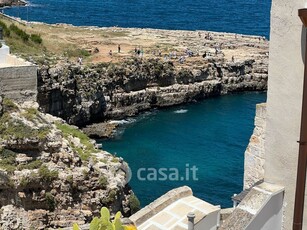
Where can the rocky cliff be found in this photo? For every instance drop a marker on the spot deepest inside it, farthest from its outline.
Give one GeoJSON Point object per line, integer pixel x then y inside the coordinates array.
{"type": "Point", "coordinates": [82, 95]}
{"type": "Point", "coordinates": [51, 174]}
{"type": "Point", "coordinates": [12, 3]}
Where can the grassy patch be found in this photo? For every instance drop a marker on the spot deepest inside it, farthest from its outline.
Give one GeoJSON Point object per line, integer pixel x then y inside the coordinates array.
{"type": "Point", "coordinates": [50, 200]}
{"type": "Point", "coordinates": [9, 105]}
{"type": "Point", "coordinates": [134, 203]}
{"type": "Point", "coordinates": [36, 38]}
{"type": "Point", "coordinates": [7, 161]}
{"type": "Point", "coordinates": [115, 160]}
{"type": "Point", "coordinates": [68, 130]}
{"type": "Point", "coordinates": [47, 175]}
{"type": "Point", "coordinates": [22, 34]}
{"type": "Point", "coordinates": [30, 114]}
{"type": "Point", "coordinates": [103, 182]}
{"type": "Point", "coordinates": [17, 129]}
{"type": "Point", "coordinates": [70, 179]}
{"type": "Point", "coordinates": [31, 165]}
{"type": "Point", "coordinates": [21, 41]}
{"type": "Point", "coordinates": [76, 53]}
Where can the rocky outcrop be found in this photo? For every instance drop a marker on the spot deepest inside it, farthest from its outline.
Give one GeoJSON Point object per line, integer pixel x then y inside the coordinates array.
{"type": "Point", "coordinates": [82, 95]}
{"type": "Point", "coordinates": [254, 154]}
{"type": "Point", "coordinates": [51, 174]}
{"type": "Point", "coordinates": [12, 3]}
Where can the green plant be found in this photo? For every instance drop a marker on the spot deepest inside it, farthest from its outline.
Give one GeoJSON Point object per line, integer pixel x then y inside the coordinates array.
{"type": "Point", "coordinates": [103, 182]}
{"type": "Point", "coordinates": [134, 203]}
{"type": "Point", "coordinates": [77, 53]}
{"type": "Point", "coordinates": [9, 105]}
{"type": "Point", "coordinates": [31, 165]}
{"type": "Point", "coordinates": [7, 161]}
{"type": "Point", "coordinates": [47, 175]}
{"type": "Point", "coordinates": [13, 128]}
{"type": "Point", "coordinates": [22, 34]}
{"type": "Point", "coordinates": [115, 160]}
{"type": "Point", "coordinates": [86, 174]}
{"type": "Point", "coordinates": [36, 38]}
{"type": "Point", "coordinates": [50, 200]}
{"type": "Point", "coordinates": [30, 114]}
{"type": "Point", "coordinates": [6, 31]}
{"type": "Point", "coordinates": [31, 179]}
{"type": "Point", "coordinates": [70, 179]}
{"type": "Point", "coordinates": [104, 223]}
{"type": "Point", "coordinates": [68, 130]}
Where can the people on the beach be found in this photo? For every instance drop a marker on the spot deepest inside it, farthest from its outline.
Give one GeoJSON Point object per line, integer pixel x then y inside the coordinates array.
{"type": "Point", "coordinates": [110, 52]}
{"type": "Point", "coordinates": [118, 48]}
{"type": "Point", "coordinates": [233, 59]}
{"type": "Point", "coordinates": [208, 37]}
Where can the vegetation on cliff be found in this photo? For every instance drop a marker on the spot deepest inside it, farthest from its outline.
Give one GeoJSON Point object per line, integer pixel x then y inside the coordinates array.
{"type": "Point", "coordinates": [50, 172]}
{"type": "Point", "coordinates": [20, 41]}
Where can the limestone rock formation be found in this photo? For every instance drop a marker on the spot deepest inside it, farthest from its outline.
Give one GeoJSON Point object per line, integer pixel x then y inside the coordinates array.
{"type": "Point", "coordinates": [51, 174]}
{"type": "Point", "coordinates": [254, 154]}
{"type": "Point", "coordinates": [82, 95]}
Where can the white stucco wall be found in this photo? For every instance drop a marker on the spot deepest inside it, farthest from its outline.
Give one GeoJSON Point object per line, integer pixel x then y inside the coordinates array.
{"type": "Point", "coordinates": [4, 51]}
{"type": "Point", "coordinates": [270, 216]}
{"type": "Point", "coordinates": [286, 70]}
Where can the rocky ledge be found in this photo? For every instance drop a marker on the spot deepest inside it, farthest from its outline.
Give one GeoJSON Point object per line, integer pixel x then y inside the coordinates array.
{"type": "Point", "coordinates": [86, 94]}
{"type": "Point", "coordinates": [51, 174]}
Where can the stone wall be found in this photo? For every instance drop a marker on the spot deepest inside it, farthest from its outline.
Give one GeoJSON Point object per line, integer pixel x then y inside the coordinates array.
{"type": "Point", "coordinates": [19, 82]}
{"type": "Point", "coordinates": [254, 154]}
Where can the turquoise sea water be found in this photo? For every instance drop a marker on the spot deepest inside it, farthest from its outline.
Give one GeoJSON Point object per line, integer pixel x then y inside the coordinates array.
{"type": "Point", "coordinates": [212, 135]}
{"type": "Point", "coordinates": [238, 16]}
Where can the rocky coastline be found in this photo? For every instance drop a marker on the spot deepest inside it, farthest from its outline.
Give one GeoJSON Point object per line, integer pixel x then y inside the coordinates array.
{"type": "Point", "coordinates": [51, 173]}
{"type": "Point", "coordinates": [101, 92]}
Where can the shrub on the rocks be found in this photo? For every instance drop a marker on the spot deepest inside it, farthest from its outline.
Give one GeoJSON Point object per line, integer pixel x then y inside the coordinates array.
{"type": "Point", "coordinates": [7, 161]}
{"type": "Point", "coordinates": [22, 34]}
{"type": "Point", "coordinates": [36, 38]}
{"type": "Point", "coordinates": [5, 29]}
{"type": "Point", "coordinates": [134, 203]}
{"type": "Point", "coordinates": [50, 200]}
{"type": "Point", "coordinates": [68, 130]}
{"type": "Point", "coordinates": [47, 175]}
{"type": "Point", "coordinates": [103, 182]}
{"type": "Point", "coordinates": [9, 105]}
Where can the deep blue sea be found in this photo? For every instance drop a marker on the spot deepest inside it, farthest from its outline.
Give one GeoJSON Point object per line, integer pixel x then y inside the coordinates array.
{"type": "Point", "coordinates": [238, 16]}
{"type": "Point", "coordinates": [211, 135]}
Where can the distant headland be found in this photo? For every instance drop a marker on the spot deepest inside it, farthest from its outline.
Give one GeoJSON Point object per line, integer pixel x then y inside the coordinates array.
{"type": "Point", "coordinates": [4, 3]}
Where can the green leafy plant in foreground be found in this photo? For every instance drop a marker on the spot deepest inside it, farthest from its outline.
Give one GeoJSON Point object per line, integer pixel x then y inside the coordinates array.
{"type": "Point", "coordinates": [104, 223]}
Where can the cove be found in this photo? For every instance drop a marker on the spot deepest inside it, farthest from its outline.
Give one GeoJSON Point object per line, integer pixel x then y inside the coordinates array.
{"type": "Point", "coordinates": [211, 135]}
